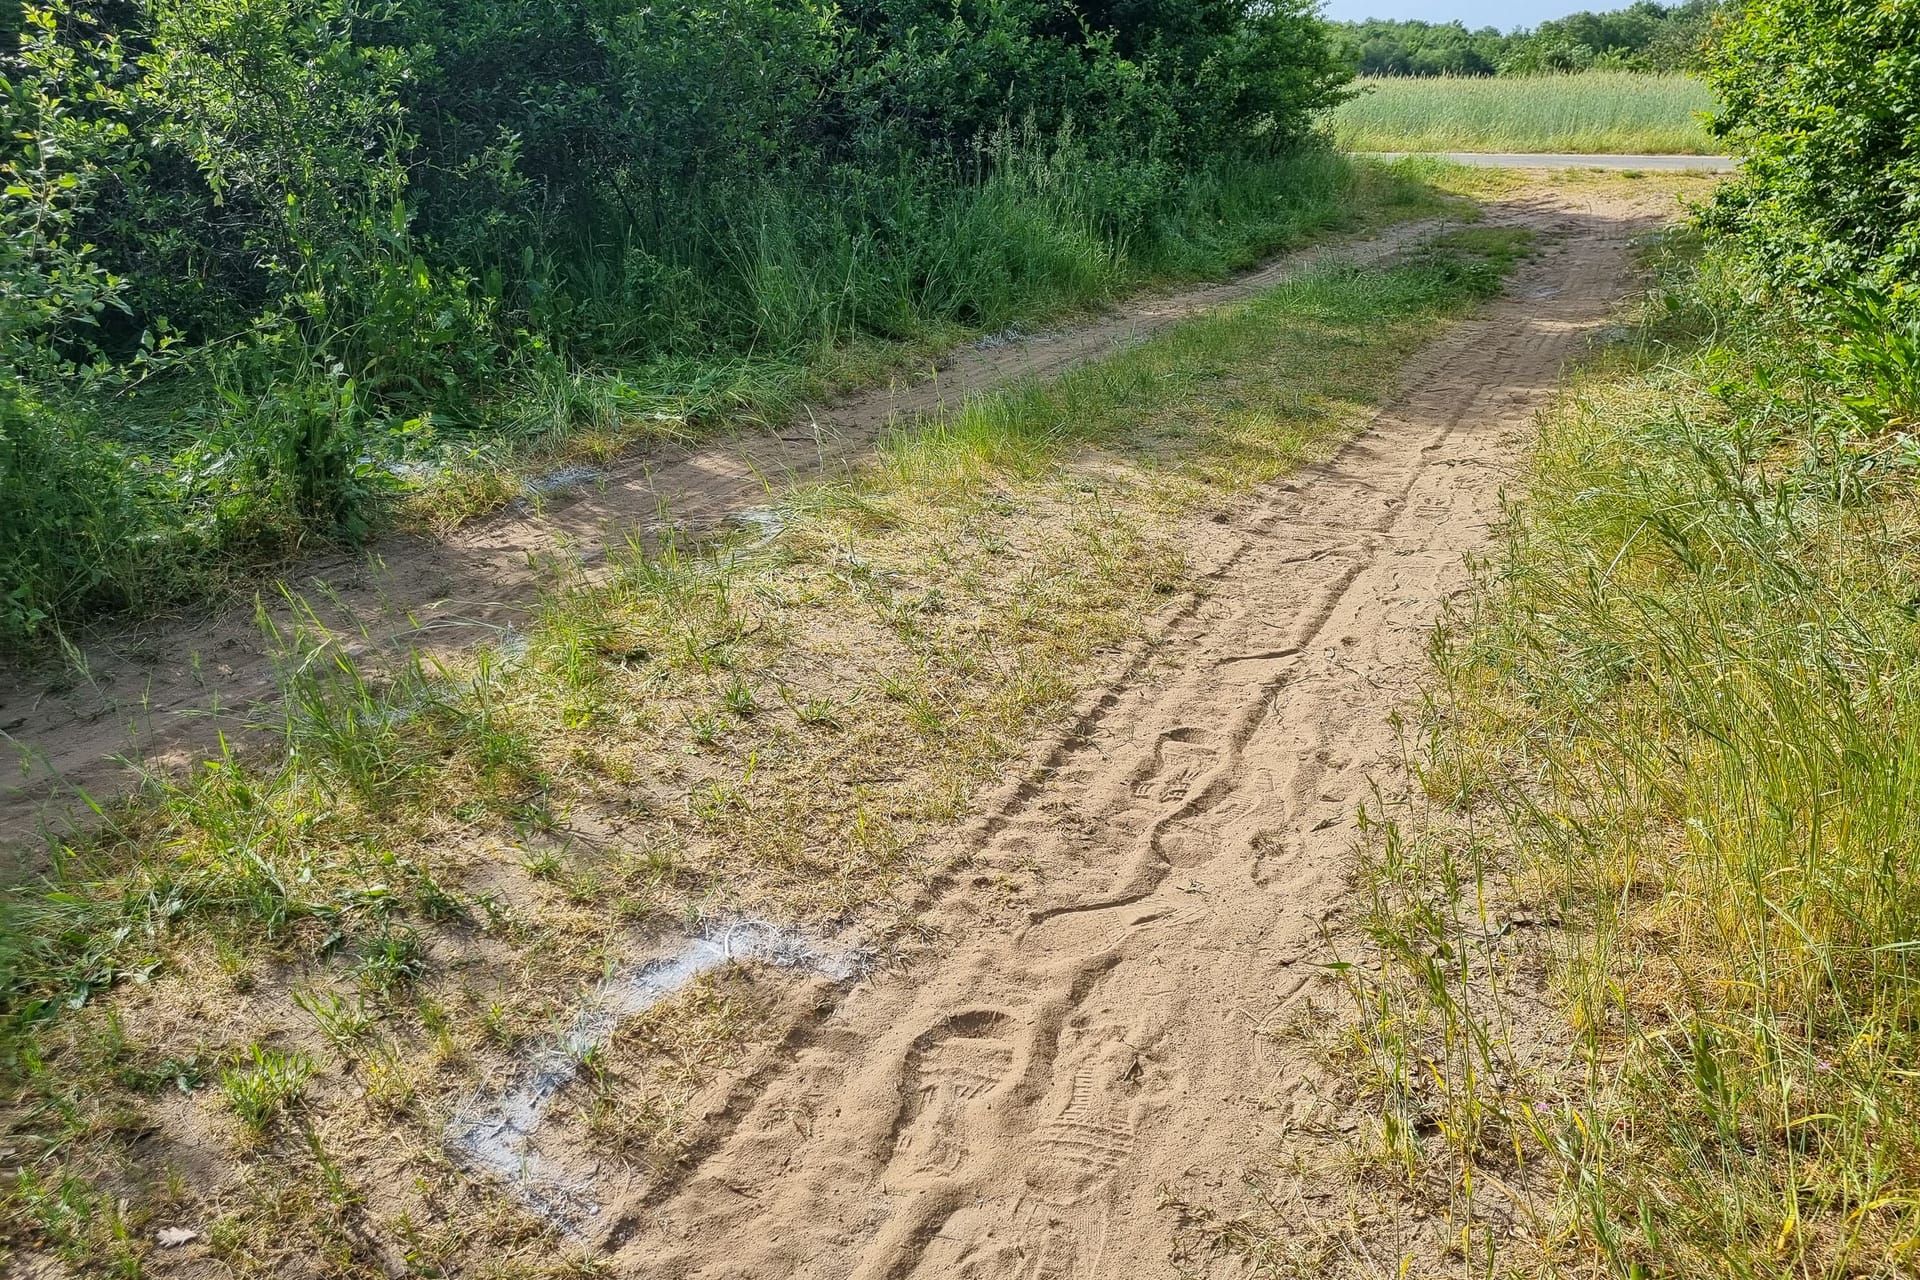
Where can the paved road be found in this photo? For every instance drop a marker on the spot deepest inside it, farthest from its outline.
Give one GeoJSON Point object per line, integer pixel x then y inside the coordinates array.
{"type": "Point", "coordinates": [1530, 160]}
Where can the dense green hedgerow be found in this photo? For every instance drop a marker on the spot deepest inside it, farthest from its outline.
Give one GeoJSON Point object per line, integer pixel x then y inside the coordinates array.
{"type": "Point", "coordinates": [261, 258]}
{"type": "Point", "coordinates": [1822, 100]}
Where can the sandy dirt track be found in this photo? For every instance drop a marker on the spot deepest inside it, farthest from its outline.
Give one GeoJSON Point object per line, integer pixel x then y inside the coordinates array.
{"type": "Point", "coordinates": [1131, 915]}
{"type": "Point", "coordinates": [162, 694]}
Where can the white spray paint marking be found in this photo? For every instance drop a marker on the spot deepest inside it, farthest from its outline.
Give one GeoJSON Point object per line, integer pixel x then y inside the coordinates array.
{"type": "Point", "coordinates": [559, 480]}
{"type": "Point", "coordinates": [495, 1134]}
{"type": "Point", "coordinates": [514, 644]}
{"type": "Point", "coordinates": [765, 521]}
{"type": "Point", "coordinates": [415, 473]}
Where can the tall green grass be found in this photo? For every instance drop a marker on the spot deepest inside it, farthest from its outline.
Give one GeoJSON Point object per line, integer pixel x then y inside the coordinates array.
{"type": "Point", "coordinates": [1594, 112]}
{"type": "Point", "coordinates": [1681, 719]}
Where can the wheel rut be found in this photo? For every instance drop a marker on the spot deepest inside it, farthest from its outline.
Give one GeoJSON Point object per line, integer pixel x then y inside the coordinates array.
{"type": "Point", "coordinates": [1011, 1101]}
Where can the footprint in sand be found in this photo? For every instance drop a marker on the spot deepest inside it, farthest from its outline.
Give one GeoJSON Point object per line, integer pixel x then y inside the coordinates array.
{"type": "Point", "coordinates": [947, 1068]}
{"type": "Point", "coordinates": [1180, 756]}
{"type": "Point", "coordinates": [1093, 1136]}
{"type": "Point", "coordinates": [1018, 1238]}
{"type": "Point", "coordinates": [1054, 1222]}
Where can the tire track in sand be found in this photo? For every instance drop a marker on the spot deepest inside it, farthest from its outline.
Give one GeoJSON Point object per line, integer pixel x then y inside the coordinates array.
{"type": "Point", "coordinates": [1011, 1104]}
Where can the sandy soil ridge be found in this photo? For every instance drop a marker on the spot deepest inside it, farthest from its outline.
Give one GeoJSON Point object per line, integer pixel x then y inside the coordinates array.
{"type": "Point", "coordinates": [1087, 1028]}
{"type": "Point", "coordinates": [163, 694]}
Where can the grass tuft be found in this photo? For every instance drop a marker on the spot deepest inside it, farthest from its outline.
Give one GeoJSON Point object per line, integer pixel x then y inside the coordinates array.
{"type": "Point", "coordinates": [262, 1088]}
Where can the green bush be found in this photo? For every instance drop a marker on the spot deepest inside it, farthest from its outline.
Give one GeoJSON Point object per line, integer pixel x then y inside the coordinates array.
{"type": "Point", "coordinates": [71, 506]}
{"type": "Point", "coordinates": [265, 253]}
{"type": "Point", "coordinates": [1821, 98]}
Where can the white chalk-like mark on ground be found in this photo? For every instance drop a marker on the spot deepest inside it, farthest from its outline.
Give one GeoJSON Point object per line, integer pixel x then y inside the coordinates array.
{"type": "Point", "coordinates": [495, 1133]}
{"type": "Point", "coordinates": [768, 522]}
{"type": "Point", "coordinates": [562, 479]}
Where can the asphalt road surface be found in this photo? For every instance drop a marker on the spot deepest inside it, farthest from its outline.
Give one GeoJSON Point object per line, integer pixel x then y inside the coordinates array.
{"type": "Point", "coordinates": [1532, 160]}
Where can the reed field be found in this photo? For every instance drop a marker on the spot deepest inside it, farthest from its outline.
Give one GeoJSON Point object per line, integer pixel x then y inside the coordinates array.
{"type": "Point", "coordinates": [1596, 112]}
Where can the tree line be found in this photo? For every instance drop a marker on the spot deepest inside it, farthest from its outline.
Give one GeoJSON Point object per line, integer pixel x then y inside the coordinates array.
{"type": "Point", "coordinates": [1646, 36]}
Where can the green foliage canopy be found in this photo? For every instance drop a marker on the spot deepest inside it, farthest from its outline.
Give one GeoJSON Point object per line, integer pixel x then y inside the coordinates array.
{"type": "Point", "coordinates": [1822, 101]}
{"type": "Point", "coordinates": [250, 250]}
{"type": "Point", "coordinates": [247, 151]}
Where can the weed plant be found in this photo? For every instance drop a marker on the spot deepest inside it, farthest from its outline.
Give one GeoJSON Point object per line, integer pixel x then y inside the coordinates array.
{"type": "Point", "coordinates": [260, 1089]}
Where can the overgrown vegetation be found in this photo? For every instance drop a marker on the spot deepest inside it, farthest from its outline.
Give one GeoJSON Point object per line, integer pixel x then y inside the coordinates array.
{"type": "Point", "coordinates": [1647, 999]}
{"type": "Point", "coordinates": [266, 262]}
{"type": "Point", "coordinates": [1822, 102]}
{"type": "Point", "coordinates": [436, 862]}
{"type": "Point", "coordinates": [1593, 113]}
{"type": "Point", "coordinates": [1645, 36]}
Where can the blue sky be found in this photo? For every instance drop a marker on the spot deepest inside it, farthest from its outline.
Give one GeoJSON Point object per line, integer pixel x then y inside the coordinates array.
{"type": "Point", "coordinates": [1504, 14]}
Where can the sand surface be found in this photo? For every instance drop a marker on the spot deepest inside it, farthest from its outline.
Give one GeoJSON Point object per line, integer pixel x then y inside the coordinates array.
{"type": "Point", "coordinates": [1015, 1100]}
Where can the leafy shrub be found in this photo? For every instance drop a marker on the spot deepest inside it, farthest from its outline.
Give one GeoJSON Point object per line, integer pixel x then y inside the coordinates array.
{"type": "Point", "coordinates": [1822, 99]}
{"type": "Point", "coordinates": [258, 255]}
{"type": "Point", "coordinates": [1874, 359]}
